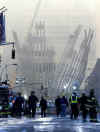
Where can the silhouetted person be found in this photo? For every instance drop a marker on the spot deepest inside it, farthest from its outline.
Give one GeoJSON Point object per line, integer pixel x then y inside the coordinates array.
{"type": "Point", "coordinates": [32, 103]}
{"type": "Point", "coordinates": [92, 102]}
{"type": "Point", "coordinates": [18, 104]}
{"type": "Point", "coordinates": [43, 105]}
{"type": "Point", "coordinates": [13, 107]}
{"type": "Point", "coordinates": [64, 104]}
{"type": "Point", "coordinates": [58, 105]}
{"type": "Point", "coordinates": [83, 106]}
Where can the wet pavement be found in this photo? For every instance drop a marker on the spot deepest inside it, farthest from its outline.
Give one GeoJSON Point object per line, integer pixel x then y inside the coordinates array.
{"type": "Point", "coordinates": [50, 124]}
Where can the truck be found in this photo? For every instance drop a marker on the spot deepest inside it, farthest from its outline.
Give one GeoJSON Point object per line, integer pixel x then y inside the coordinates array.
{"type": "Point", "coordinates": [4, 100]}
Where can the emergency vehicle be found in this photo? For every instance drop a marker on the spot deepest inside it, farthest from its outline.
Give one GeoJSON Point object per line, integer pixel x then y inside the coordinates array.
{"type": "Point", "coordinates": [4, 100]}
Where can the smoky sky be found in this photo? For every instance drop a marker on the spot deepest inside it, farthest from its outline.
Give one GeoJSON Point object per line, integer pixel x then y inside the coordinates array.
{"type": "Point", "coordinates": [61, 17]}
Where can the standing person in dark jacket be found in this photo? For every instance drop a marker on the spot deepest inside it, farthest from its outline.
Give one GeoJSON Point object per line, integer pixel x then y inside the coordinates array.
{"type": "Point", "coordinates": [64, 104]}
{"type": "Point", "coordinates": [58, 105]}
{"type": "Point", "coordinates": [92, 102]}
{"type": "Point", "coordinates": [19, 104]}
{"type": "Point", "coordinates": [43, 105]}
{"type": "Point", "coordinates": [83, 106]}
{"type": "Point", "coordinates": [13, 110]}
{"type": "Point", "coordinates": [32, 103]}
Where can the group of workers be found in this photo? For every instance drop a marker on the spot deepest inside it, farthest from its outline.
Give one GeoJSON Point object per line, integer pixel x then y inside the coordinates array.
{"type": "Point", "coordinates": [27, 107]}
{"type": "Point", "coordinates": [75, 105]}
{"type": "Point", "coordinates": [84, 105]}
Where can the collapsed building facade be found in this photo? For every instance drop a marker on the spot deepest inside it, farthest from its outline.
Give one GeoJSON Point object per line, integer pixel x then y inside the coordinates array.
{"type": "Point", "coordinates": [37, 62]}
{"type": "Point", "coordinates": [71, 73]}
{"type": "Point", "coordinates": [42, 73]}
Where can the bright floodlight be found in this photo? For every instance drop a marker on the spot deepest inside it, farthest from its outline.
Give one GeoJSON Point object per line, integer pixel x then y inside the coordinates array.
{"type": "Point", "coordinates": [64, 86]}
{"type": "Point", "coordinates": [17, 82]}
{"type": "Point", "coordinates": [74, 87]}
{"type": "Point", "coordinates": [25, 96]}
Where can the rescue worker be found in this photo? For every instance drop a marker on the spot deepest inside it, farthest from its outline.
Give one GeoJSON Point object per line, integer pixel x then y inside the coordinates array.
{"type": "Point", "coordinates": [32, 103]}
{"type": "Point", "coordinates": [73, 100]}
{"type": "Point", "coordinates": [83, 106]}
{"type": "Point", "coordinates": [64, 104]}
{"type": "Point", "coordinates": [58, 105]}
{"type": "Point", "coordinates": [19, 104]}
{"type": "Point", "coordinates": [13, 110]}
{"type": "Point", "coordinates": [43, 106]}
{"type": "Point", "coordinates": [92, 102]}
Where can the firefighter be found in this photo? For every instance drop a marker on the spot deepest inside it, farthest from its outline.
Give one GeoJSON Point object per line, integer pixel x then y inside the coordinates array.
{"type": "Point", "coordinates": [32, 103]}
{"type": "Point", "coordinates": [83, 106]}
{"type": "Point", "coordinates": [92, 102]}
{"type": "Point", "coordinates": [73, 100]}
